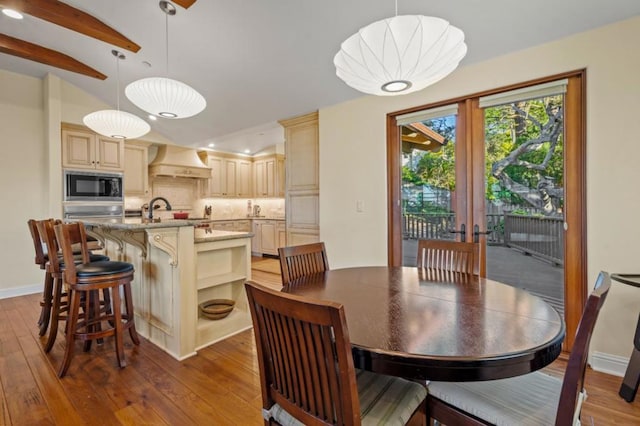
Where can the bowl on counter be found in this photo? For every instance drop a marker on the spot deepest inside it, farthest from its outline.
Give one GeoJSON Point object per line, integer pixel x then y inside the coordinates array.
{"type": "Point", "coordinates": [181, 215]}
{"type": "Point", "coordinates": [216, 309]}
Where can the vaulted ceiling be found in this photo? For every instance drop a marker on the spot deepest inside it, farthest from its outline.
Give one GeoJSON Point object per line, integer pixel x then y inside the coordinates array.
{"type": "Point", "coordinates": [258, 61]}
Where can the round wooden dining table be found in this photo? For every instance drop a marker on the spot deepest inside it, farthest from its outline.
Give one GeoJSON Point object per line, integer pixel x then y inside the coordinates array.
{"type": "Point", "coordinates": [426, 324]}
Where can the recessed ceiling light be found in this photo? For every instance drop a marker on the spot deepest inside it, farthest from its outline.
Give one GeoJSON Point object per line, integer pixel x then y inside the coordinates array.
{"type": "Point", "coordinates": [12, 13]}
{"type": "Point", "coordinates": [152, 117]}
{"type": "Point", "coordinates": [247, 151]}
{"type": "Point", "coordinates": [211, 145]}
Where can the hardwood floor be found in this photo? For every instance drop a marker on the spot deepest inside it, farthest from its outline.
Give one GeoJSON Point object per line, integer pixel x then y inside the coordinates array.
{"type": "Point", "coordinates": [219, 386]}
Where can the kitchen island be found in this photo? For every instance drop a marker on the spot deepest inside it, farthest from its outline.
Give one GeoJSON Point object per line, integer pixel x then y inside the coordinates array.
{"type": "Point", "coordinates": [177, 267]}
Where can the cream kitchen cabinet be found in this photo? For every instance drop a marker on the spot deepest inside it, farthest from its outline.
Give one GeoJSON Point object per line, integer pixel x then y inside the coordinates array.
{"type": "Point", "coordinates": [302, 181]}
{"type": "Point", "coordinates": [83, 149]}
{"type": "Point", "coordinates": [266, 238]}
{"type": "Point", "coordinates": [268, 176]}
{"type": "Point", "coordinates": [230, 176]}
{"type": "Point", "coordinates": [136, 175]}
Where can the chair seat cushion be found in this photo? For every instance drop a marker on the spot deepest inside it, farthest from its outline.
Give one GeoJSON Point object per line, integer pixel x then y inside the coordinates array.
{"type": "Point", "coordinates": [384, 400]}
{"type": "Point", "coordinates": [531, 399]}
{"type": "Point", "coordinates": [95, 269]}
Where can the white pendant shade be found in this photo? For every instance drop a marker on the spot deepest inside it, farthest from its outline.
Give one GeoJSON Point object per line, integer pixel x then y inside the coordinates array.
{"type": "Point", "coordinates": [116, 124]}
{"type": "Point", "coordinates": [400, 55]}
{"type": "Point", "coordinates": [165, 97]}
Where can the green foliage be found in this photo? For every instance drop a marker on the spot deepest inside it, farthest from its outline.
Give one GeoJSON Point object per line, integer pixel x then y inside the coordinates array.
{"type": "Point", "coordinates": [507, 128]}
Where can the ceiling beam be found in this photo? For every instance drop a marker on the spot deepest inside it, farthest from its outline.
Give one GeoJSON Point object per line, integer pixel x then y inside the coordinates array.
{"type": "Point", "coordinates": [71, 18]}
{"type": "Point", "coordinates": [184, 3]}
{"type": "Point", "coordinates": [34, 52]}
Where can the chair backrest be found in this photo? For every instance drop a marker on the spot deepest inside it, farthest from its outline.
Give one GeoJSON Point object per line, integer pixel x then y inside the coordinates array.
{"type": "Point", "coordinates": [297, 261]}
{"type": "Point", "coordinates": [451, 256]}
{"type": "Point", "coordinates": [47, 234]}
{"type": "Point", "coordinates": [573, 382]}
{"type": "Point", "coordinates": [41, 258]}
{"type": "Point", "coordinates": [68, 234]}
{"type": "Point", "coordinates": [304, 355]}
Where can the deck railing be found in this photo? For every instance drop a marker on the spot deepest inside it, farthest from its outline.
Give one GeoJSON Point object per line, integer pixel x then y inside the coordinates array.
{"type": "Point", "coordinates": [538, 236]}
{"type": "Point", "coordinates": [428, 226]}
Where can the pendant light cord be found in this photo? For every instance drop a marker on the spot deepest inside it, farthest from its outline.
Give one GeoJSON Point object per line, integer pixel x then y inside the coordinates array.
{"type": "Point", "coordinates": [396, 7]}
{"type": "Point", "coordinates": [166, 40]}
{"type": "Point", "coordinates": [118, 81]}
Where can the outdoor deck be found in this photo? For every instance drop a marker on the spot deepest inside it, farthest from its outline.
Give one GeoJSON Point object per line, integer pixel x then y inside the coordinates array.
{"type": "Point", "coordinates": [511, 266]}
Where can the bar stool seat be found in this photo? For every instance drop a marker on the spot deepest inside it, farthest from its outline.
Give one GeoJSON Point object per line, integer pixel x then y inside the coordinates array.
{"type": "Point", "coordinates": [86, 280]}
{"type": "Point", "coordinates": [102, 268]}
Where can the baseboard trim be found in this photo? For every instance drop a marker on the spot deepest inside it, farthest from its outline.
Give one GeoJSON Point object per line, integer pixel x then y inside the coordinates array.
{"type": "Point", "coordinates": [610, 364]}
{"type": "Point", "coordinates": [6, 293]}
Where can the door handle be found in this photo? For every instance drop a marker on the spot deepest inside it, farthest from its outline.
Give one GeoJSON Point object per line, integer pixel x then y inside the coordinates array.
{"type": "Point", "coordinates": [462, 232]}
{"type": "Point", "coordinates": [477, 232]}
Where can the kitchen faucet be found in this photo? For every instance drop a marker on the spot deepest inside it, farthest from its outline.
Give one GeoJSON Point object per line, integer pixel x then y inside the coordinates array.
{"type": "Point", "coordinates": [152, 206]}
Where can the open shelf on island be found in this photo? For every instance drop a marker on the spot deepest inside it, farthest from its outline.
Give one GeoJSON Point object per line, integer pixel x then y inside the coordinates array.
{"type": "Point", "coordinates": [210, 331]}
{"type": "Point", "coordinates": [216, 280]}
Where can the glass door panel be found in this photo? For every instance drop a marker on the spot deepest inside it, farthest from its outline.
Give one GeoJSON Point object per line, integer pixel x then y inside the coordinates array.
{"type": "Point", "coordinates": [428, 183]}
{"type": "Point", "coordinates": [524, 196]}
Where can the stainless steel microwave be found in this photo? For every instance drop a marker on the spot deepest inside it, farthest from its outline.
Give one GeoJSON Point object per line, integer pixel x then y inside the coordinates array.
{"type": "Point", "coordinates": [93, 186]}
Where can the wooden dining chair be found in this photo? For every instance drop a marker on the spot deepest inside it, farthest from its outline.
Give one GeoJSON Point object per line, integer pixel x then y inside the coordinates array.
{"type": "Point", "coordinates": [453, 256]}
{"type": "Point", "coordinates": [532, 399]}
{"type": "Point", "coordinates": [296, 261]}
{"type": "Point", "coordinates": [306, 367]}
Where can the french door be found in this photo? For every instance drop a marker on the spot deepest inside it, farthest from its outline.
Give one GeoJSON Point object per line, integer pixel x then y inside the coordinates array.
{"type": "Point", "coordinates": [503, 168]}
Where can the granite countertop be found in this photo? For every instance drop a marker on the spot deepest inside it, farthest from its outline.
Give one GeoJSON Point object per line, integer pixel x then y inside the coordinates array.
{"type": "Point", "coordinates": [136, 223]}
{"type": "Point", "coordinates": [201, 235]}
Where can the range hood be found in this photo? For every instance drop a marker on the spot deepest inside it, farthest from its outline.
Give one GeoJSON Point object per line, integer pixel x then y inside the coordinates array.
{"type": "Point", "coordinates": [178, 161]}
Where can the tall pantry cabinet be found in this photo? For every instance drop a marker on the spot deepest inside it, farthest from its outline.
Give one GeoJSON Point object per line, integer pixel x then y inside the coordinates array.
{"type": "Point", "coordinates": [302, 179]}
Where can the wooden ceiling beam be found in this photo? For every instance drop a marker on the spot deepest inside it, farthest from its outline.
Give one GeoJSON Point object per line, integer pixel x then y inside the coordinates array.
{"type": "Point", "coordinates": [34, 52]}
{"type": "Point", "coordinates": [184, 3]}
{"type": "Point", "coordinates": [71, 18]}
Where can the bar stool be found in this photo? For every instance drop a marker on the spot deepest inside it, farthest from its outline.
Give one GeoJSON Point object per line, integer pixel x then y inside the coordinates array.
{"type": "Point", "coordinates": [43, 247]}
{"type": "Point", "coordinates": [57, 299]}
{"type": "Point", "coordinates": [85, 281]}
{"type": "Point", "coordinates": [42, 251]}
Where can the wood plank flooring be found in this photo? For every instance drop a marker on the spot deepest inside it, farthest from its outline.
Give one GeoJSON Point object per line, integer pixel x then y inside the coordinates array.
{"type": "Point", "coordinates": [219, 386]}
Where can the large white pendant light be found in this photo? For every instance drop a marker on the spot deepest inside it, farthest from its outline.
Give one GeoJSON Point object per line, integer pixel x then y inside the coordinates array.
{"type": "Point", "coordinates": [115, 123]}
{"type": "Point", "coordinates": [163, 96]}
{"type": "Point", "coordinates": [400, 55]}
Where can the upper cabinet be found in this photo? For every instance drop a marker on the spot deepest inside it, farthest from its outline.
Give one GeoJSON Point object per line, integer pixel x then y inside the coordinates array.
{"type": "Point", "coordinates": [83, 149]}
{"type": "Point", "coordinates": [302, 152]}
{"type": "Point", "coordinates": [268, 176]}
{"type": "Point", "coordinates": [136, 176]}
{"type": "Point", "coordinates": [230, 175]}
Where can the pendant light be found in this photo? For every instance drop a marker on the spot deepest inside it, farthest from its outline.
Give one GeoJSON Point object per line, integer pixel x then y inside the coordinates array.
{"type": "Point", "coordinates": [163, 96]}
{"type": "Point", "coordinates": [400, 55]}
{"type": "Point", "coordinates": [115, 123]}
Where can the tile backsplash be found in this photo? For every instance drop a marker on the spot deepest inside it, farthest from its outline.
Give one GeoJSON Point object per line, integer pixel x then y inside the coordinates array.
{"type": "Point", "coordinates": [227, 208]}
{"type": "Point", "coordinates": [182, 193]}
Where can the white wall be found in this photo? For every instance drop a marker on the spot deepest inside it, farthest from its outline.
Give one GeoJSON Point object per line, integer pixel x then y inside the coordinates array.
{"type": "Point", "coordinates": [23, 174]}
{"type": "Point", "coordinates": [353, 160]}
